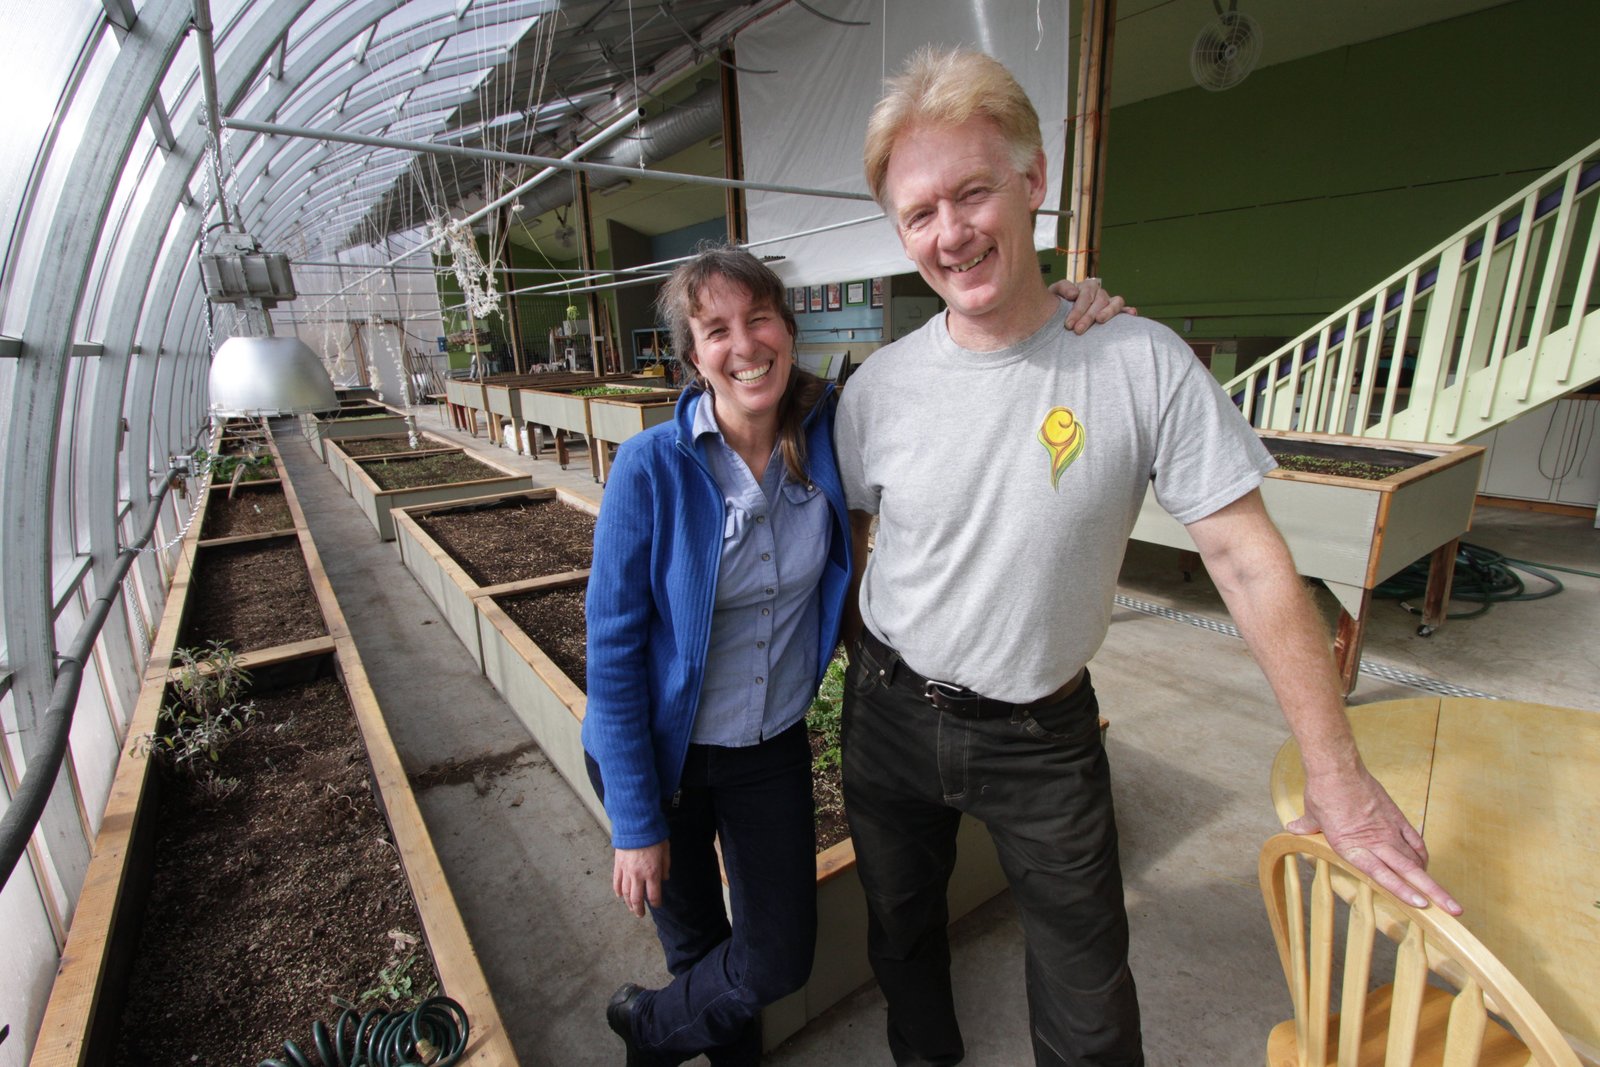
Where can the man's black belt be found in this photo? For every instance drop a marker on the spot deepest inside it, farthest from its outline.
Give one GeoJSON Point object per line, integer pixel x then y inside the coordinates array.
{"type": "Point", "coordinates": [948, 697]}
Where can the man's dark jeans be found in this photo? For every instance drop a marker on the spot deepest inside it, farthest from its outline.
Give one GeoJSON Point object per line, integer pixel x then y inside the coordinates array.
{"type": "Point", "coordinates": [757, 800]}
{"type": "Point", "coordinates": [1040, 782]}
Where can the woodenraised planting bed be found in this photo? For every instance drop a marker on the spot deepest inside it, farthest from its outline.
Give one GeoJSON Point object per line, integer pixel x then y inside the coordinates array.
{"type": "Point", "coordinates": [378, 503]}
{"type": "Point", "coordinates": [91, 988]}
{"type": "Point", "coordinates": [368, 420]}
{"type": "Point", "coordinates": [552, 705]}
{"type": "Point", "coordinates": [454, 578]}
{"type": "Point", "coordinates": [614, 419]}
{"type": "Point", "coordinates": [342, 453]}
{"type": "Point", "coordinates": [565, 414]}
{"type": "Point", "coordinates": [496, 398]}
{"type": "Point", "coordinates": [1353, 533]}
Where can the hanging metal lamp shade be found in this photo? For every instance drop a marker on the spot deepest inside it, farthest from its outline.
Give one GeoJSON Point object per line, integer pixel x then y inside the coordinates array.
{"type": "Point", "coordinates": [266, 376]}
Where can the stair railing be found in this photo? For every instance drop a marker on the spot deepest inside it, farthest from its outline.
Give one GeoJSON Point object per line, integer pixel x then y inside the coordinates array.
{"type": "Point", "coordinates": [1454, 314]}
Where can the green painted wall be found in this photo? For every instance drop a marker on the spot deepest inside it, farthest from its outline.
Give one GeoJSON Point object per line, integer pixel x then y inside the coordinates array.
{"type": "Point", "coordinates": [1255, 212]}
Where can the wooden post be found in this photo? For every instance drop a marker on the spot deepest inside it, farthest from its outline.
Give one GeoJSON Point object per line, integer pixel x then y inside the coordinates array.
{"type": "Point", "coordinates": [1347, 642]}
{"type": "Point", "coordinates": [362, 376]}
{"type": "Point", "coordinates": [507, 279]}
{"type": "Point", "coordinates": [732, 152]}
{"type": "Point", "coordinates": [597, 339]}
{"type": "Point", "coordinates": [1441, 573]}
{"type": "Point", "coordinates": [1089, 138]}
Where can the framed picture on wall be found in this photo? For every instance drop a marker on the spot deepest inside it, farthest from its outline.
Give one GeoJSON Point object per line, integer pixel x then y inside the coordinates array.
{"type": "Point", "coordinates": [855, 293]}
{"type": "Point", "coordinates": [797, 300]}
{"type": "Point", "coordinates": [877, 292]}
{"type": "Point", "coordinates": [833, 297]}
{"type": "Point", "coordinates": [816, 298]}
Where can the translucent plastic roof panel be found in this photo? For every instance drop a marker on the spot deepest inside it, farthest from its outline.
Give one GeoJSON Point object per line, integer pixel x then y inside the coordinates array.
{"type": "Point", "coordinates": [23, 259]}
{"type": "Point", "coordinates": [490, 41]}
{"type": "Point", "coordinates": [36, 70]}
{"type": "Point", "coordinates": [180, 89]}
{"type": "Point", "coordinates": [416, 13]}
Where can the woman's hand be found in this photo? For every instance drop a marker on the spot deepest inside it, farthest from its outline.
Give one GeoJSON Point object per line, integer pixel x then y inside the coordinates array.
{"type": "Point", "coordinates": [637, 874]}
{"type": "Point", "coordinates": [1090, 304]}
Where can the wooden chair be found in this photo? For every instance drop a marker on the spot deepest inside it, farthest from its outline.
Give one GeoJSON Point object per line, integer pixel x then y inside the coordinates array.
{"type": "Point", "coordinates": [1408, 1021]}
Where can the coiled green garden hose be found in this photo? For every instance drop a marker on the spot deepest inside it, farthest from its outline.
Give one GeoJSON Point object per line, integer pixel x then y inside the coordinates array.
{"type": "Point", "coordinates": [1482, 576]}
{"type": "Point", "coordinates": [434, 1034]}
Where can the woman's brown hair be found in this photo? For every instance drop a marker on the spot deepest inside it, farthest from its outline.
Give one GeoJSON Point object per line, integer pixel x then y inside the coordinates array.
{"type": "Point", "coordinates": [679, 301]}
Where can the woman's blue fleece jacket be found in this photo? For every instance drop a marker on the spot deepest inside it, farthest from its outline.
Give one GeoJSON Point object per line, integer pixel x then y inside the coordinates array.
{"type": "Point", "coordinates": [657, 547]}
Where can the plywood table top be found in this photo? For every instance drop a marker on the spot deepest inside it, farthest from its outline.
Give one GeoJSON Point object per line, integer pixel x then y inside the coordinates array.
{"type": "Point", "coordinates": [1507, 796]}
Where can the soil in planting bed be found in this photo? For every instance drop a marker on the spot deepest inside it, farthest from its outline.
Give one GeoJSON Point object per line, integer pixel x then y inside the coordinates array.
{"type": "Point", "coordinates": [245, 512]}
{"type": "Point", "coordinates": [384, 446]}
{"type": "Point", "coordinates": [422, 471]}
{"type": "Point", "coordinates": [271, 899]}
{"type": "Point", "coordinates": [554, 619]}
{"type": "Point", "coordinates": [357, 413]}
{"type": "Point", "coordinates": [1344, 468]}
{"type": "Point", "coordinates": [252, 595]}
{"type": "Point", "coordinates": [1350, 461]}
{"type": "Point", "coordinates": [514, 539]}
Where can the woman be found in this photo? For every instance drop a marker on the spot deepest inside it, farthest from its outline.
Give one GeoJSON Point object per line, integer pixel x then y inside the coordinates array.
{"type": "Point", "coordinates": [720, 570]}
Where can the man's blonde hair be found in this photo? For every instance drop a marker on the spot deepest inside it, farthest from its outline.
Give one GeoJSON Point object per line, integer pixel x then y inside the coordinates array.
{"type": "Point", "coordinates": [946, 87]}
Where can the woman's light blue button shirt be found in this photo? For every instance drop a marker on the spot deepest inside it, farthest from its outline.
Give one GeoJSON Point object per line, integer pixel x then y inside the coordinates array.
{"type": "Point", "coordinates": [761, 666]}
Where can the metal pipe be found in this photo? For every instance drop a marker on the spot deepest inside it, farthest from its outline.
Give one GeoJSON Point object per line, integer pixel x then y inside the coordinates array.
{"type": "Point", "coordinates": [20, 818]}
{"type": "Point", "coordinates": [620, 125]}
{"type": "Point", "coordinates": [657, 266]}
{"type": "Point", "coordinates": [208, 82]}
{"type": "Point", "coordinates": [430, 148]}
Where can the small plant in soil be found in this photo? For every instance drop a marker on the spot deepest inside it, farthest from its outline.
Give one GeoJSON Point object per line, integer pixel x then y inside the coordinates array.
{"type": "Point", "coordinates": [248, 466]}
{"type": "Point", "coordinates": [400, 983]}
{"type": "Point", "coordinates": [205, 715]}
{"type": "Point", "coordinates": [608, 390]}
{"type": "Point", "coordinates": [823, 723]}
{"type": "Point", "coordinates": [1344, 468]}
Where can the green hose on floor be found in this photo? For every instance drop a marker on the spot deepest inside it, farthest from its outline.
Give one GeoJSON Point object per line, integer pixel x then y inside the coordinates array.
{"type": "Point", "coordinates": [1482, 576]}
{"type": "Point", "coordinates": [434, 1034]}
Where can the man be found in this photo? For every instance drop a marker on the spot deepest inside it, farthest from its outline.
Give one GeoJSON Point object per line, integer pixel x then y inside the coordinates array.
{"type": "Point", "coordinates": [1005, 459]}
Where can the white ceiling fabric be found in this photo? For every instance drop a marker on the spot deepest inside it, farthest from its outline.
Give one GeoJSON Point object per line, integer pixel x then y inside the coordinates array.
{"type": "Point", "coordinates": [798, 124]}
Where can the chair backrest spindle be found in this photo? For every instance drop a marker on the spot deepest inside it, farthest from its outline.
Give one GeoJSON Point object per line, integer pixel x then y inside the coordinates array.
{"type": "Point", "coordinates": [1411, 1019]}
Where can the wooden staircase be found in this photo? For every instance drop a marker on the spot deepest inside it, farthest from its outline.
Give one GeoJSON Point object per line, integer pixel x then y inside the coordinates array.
{"type": "Point", "coordinates": [1493, 322]}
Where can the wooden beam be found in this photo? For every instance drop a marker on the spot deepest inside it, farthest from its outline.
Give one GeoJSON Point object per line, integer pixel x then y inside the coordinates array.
{"type": "Point", "coordinates": [518, 360]}
{"type": "Point", "coordinates": [1089, 138]}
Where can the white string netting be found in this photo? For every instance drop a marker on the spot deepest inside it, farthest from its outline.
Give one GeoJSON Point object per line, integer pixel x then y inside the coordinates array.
{"type": "Point", "coordinates": [472, 274]}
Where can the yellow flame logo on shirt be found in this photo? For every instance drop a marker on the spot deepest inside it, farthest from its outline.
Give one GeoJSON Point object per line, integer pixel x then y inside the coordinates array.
{"type": "Point", "coordinates": [1062, 436]}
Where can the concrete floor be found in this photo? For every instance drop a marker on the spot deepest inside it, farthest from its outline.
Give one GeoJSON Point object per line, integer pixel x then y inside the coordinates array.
{"type": "Point", "coordinates": [1193, 733]}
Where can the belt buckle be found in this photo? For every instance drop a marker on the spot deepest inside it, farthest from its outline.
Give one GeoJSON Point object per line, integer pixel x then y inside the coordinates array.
{"type": "Point", "coordinates": [942, 695]}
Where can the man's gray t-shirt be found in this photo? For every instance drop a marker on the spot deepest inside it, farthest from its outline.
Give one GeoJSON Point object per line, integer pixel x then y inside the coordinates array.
{"type": "Point", "coordinates": [1006, 484]}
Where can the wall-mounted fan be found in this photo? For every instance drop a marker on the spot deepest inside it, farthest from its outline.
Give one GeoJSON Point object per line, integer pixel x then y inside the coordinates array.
{"type": "Point", "coordinates": [1226, 50]}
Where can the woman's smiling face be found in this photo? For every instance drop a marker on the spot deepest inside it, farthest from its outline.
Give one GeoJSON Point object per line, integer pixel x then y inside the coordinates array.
{"type": "Point", "coordinates": [744, 351]}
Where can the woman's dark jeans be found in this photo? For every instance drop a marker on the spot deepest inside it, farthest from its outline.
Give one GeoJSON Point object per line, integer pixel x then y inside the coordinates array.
{"type": "Point", "coordinates": [757, 800]}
